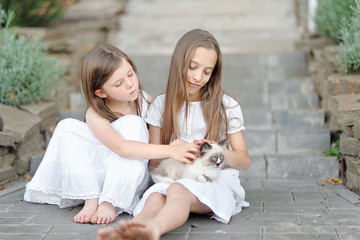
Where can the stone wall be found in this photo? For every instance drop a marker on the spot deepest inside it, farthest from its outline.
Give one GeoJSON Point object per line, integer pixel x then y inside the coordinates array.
{"type": "Point", "coordinates": [340, 98]}
{"type": "Point", "coordinates": [25, 132]}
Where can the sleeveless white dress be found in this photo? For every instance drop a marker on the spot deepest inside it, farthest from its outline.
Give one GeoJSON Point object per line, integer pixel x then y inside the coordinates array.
{"type": "Point", "coordinates": [225, 196]}
{"type": "Point", "coordinates": [76, 167]}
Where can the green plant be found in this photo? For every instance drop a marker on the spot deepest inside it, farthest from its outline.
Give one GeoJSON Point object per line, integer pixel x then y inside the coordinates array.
{"type": "Point", "coordinates": [335, 151]}
{"type": "Point", "coordinates": [330, 14]}
{"type": "Point", "coordinates": [348, 58]}
{"type": "Point", "coordinates": [34, 13]}
{"type": "Point", "coordinates": [26, 71]}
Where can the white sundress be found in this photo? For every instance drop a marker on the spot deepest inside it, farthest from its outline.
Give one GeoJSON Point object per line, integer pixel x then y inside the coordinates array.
{"type": "Point", "coordinates": [76, 167]}
{"type": "Point", "coordinates": [225, 196]}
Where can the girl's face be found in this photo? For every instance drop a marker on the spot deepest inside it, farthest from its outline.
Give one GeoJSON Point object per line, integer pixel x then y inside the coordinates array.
{"type": "Point", "coordinates": [201, 66]}
{"type": "Point", "coordinates": [123, 85]}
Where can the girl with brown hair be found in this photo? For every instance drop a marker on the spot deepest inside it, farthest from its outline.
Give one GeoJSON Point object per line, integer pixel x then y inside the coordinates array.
{"type": "Point", "coordinates": [103, 161]}
{"type": "Point", "coordinates": [194, 109]}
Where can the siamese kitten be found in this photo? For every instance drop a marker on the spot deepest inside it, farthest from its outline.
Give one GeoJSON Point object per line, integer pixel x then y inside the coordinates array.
{"type": "Point", "coordinates": [204, 168]}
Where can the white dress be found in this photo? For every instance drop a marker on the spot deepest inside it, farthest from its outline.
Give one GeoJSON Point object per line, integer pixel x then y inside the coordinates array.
{"type": "Point", "coordinates": [225, 196]}
{"type": "Point", "coordinates": [76, 167]}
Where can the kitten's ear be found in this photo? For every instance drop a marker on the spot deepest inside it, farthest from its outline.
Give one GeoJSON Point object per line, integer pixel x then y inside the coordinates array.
{"type": "Point", "coordinates": [222, 143]}
{"type": "Point", "coordinates": [204, 148]}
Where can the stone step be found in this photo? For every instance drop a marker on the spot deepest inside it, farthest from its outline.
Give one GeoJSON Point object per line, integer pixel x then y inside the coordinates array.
{"type": "Point", "coordinates": [263, 118]}
{"type": "Point", "coordinates": [163, 43]}
{"type": "Point", "coordinates": [242, 73]}
{"type": "Point", "coordinates": [290, 140]}
{"type": "Point", "coordinates": [205, 7]}
{"type": "Point", "coordinates": [300, 118]}
{"type": "Point", "coordinates": [222, 22]}
{"type": "Point", "coordinates": [291, 167]}
{"type": "Point", "coordinates": [294, 101]}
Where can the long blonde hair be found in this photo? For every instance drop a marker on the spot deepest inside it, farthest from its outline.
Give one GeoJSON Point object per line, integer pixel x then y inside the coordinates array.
{"type": "Point", "coordinates": [97, 67]}
{"type": "Point", "coordinates": [177, 92]}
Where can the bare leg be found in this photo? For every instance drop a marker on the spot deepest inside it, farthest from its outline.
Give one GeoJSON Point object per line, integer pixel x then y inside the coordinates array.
{"type": "Point", "coordinates": [152, 206]}
{"type": "Point", "coordinates": [179, 203]}
{"type": "Point", "coordinates": [87, 211]}
{"type": "Point", "coordinates": [106, 213]}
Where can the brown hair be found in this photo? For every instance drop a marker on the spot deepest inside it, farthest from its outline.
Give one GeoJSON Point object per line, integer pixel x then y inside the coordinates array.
{"type": "Point", "coordinates": [177, 93]}
{"type": "Point", "coordinates": [97, 67]}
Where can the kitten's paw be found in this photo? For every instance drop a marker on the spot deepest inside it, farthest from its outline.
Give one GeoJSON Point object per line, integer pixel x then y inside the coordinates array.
{"type": "Point", "coordinates": [201, 178]}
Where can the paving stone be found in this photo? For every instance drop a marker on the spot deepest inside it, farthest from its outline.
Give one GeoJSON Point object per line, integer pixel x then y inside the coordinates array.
{"type": "Point", "coordinates": [286, 236]}
{"type": "Point", "coordinates": [27, 236]}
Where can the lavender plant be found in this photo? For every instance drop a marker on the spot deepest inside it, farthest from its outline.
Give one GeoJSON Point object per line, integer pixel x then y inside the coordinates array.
{"type": "Point", "coordinates": [27, 72]}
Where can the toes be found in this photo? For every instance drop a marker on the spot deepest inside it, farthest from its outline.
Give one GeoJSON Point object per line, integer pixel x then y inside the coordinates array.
{"type": "Point", "coordinates": [94, 219]}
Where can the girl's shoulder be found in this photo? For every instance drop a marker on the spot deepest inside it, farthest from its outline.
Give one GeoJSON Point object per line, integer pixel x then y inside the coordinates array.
{"type": "Point", "coordinates": [159, 100]}
{"type": "Point", "coordinates": [229, 101]}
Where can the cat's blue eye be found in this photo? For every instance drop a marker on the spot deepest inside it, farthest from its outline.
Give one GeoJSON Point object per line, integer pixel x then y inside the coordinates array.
{"type": "Point", "coordinates": [214, 158]}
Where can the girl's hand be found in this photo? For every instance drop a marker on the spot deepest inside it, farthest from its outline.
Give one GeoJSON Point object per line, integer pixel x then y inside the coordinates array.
{"type": "Point", "coordinates": [199, 142]}
{"type": "Point", "coordinates": [183, 151]}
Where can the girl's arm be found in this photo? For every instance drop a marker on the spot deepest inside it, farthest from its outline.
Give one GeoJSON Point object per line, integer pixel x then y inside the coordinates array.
{"type": "Point", "coordinates": [238, 157]}
{"type": "Point", "coordinates": [105, 133]}
{"type": "Point", "coordinates": [155, 139]}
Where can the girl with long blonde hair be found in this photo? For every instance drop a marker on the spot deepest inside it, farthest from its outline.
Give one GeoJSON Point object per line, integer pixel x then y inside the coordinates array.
{"type": "Point", "coordinates": [194, 109]}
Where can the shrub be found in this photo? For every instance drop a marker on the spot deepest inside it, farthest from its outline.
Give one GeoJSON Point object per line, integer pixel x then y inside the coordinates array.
{"type": "Point", "coordinates": [34, 13]}
{"type": "Point", "coordinates": [330, 14]}
{"type": "Point", "coordinates": [26, 71]}
{"type": "Point", "coordinates": [348, 59]}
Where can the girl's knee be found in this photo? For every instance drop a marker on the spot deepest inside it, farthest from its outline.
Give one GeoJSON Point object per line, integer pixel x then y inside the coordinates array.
{"type": "Point", "coordinates": [178, 189]}
{"type": "Point", "coordinates": [132, 127]}
{"type": "Point", "coordinates": [156, 199]}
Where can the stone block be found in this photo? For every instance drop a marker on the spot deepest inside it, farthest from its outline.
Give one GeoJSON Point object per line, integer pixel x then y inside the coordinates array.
{"type": "Point", "coordinates": [46, 111]}
{"type": "Point", "coordinates": [349, 145]}
{"type": "Point", "coordinates": [356, 129]}
{"type": "Point", "coordinates": [343, 84]}
{"type": "Point", "coordinates": [3, 150]}
{"type": "Point", "coordinates": [352, 164]}
{"type": "Point", "coordinates": [345, 107]}
{"type": "Point", "coordinates": [7, 160]}
{"type": "Point", "coordinates": [18, 123]}
{"type": "Point", "coordinates": [353, 181]}
{"type": "Point", "coordinates": [7, 173]}
{"type": "Point", "coordinates": [22, 164]}
{"type": "Point", "coordinates": [299, 140]}
{"type": "Point", "coordinates": [85, 10]}
{"type": "Point", "coordinates": [7, 140]}
{"type": "Point", "coordinates": [302, 167]}
{"type": "Point", "coordinates": [31, 144]}
{"type": "Point", "coordinates": [77, 102]}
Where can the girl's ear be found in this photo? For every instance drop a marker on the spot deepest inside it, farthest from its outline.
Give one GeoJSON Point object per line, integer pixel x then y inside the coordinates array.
{"type": "Point", "coordinates": [100, 93]}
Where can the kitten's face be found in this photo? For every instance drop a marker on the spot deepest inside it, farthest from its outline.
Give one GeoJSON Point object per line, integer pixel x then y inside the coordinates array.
{"type": "Point", "coordinates": [213, 154]}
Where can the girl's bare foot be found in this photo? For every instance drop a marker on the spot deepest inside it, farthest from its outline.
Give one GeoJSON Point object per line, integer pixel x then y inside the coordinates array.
{"type": "Point", "coordinates": [87, 211]}
{"type": "Point", "coordinates": [109, 233]}
{"type": "Point", "coordinates": [137, 231]}
{"type": "Point", "coordinates": [106, 213]}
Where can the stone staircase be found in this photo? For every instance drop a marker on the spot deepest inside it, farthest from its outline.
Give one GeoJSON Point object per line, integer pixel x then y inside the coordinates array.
{"type": "Point", "coordinates": [261, 69]}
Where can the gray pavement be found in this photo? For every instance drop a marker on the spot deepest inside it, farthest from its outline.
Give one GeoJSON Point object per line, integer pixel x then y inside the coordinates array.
{"type": "Point", "coordinates": [279, 209]}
